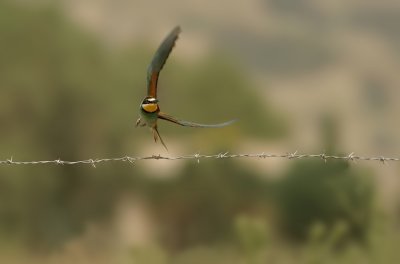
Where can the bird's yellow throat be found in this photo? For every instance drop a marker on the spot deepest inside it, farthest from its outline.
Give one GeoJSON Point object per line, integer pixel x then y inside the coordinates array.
{"type": "Point", "coordinates": [151, 108]}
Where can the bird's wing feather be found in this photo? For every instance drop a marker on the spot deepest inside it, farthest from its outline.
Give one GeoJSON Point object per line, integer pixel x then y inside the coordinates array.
{"type": "Point", "coordinates": [159, 59]}
{"type": "Point", "coordinates": [172, 119]}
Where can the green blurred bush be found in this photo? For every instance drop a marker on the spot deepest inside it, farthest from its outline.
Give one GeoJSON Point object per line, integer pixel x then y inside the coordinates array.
{"type": "Point", "coordinates": [314, 192]}
{"type": "Point", "coordinates": [200, 205]}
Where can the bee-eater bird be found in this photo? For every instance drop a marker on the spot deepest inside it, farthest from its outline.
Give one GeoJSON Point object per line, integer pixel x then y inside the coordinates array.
{"type": "Point", "coordinates": [149, 109]}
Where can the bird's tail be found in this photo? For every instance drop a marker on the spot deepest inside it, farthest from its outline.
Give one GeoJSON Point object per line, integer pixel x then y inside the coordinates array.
{"type": "Point", "coordinates": [156, 136]}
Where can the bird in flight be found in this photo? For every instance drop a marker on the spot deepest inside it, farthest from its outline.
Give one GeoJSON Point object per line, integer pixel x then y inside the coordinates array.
{"type": "Point", "coordinates": [149, 108]}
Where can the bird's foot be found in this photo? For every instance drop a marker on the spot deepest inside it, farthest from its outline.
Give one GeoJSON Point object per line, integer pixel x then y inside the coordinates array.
{"type": "Point", "coordinates": [138, 122]}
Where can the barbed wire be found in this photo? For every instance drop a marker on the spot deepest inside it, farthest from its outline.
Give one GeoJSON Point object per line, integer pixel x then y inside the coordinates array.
{"type": "Point", "coordinates": [295, 155]}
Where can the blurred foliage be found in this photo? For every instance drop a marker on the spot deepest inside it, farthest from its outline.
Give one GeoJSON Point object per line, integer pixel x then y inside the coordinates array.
{"type": "Point", "coordinates": [325, 192]}
{"type": "Point", "coordinates": [64, 95]}
{"type": "Point", "coordinates": [253, 237]}
{"type": "Point", "coordinates": [200, 204]}
{"type": "Point", "coordinates": [49, 71]}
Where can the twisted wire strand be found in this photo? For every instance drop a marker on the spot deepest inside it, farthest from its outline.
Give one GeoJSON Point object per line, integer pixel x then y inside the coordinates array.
{"type": "Point", "coordinates": [294, 155]}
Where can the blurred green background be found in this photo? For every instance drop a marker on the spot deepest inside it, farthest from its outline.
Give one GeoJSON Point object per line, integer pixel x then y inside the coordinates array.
{"type": "Point", "coordinates": [299, 75]}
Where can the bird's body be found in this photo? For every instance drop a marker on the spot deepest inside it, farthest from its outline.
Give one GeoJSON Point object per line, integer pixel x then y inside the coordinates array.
{"type": "Point", "coordinates": [149, 108]}
{"type": "Point", "coordinates": [149, 115]}
{"type": "Point", "coordinates": [149, 111]}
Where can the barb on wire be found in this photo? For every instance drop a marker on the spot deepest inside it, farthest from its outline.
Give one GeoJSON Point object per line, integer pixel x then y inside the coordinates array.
{"type": "Point", "coordinates": [295, 155]}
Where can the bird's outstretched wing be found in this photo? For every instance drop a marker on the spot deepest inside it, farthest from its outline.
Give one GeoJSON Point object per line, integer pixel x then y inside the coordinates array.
{"type": "Point", "coordinates": [172, 119]}
{"type": "Point", "coordinates": [159, 59]}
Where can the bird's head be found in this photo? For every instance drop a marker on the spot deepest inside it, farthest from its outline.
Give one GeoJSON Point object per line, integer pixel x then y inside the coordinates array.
{"type": "Point", "coordinates": [149, 104]}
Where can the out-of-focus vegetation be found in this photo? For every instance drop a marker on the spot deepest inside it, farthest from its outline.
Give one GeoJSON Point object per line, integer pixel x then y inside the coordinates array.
{"type": "Point", "coordinates": [64, 95]}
